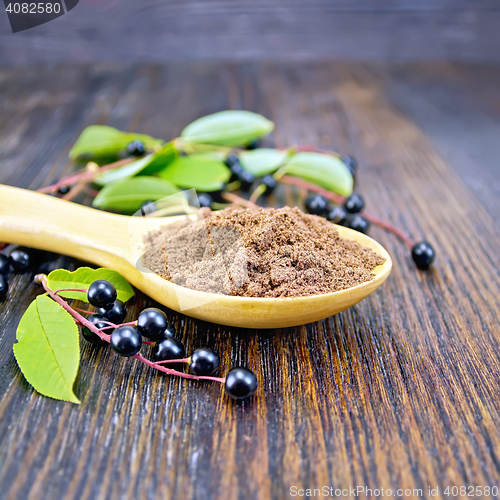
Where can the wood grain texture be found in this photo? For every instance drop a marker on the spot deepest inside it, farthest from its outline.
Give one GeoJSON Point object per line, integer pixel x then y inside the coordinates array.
{"type": "Point", "coordinates": [399, 391]}
{"type": "Point", "coordinates": [153, 30]}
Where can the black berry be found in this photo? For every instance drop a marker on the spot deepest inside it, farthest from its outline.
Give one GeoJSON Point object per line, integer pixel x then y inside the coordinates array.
{"type": "Point", "coordinates": [63, 190]}
{"type": "Point", "coordinates": [236, 171]}
{"type": "Point", "coordinates": [4, 265]}
{"type": "Point", "coordinates": [232, 160]}
{"type": "Point", "coordinates": [358, 223]}
{"type": "Point", "coordinates": [423, 254]}
{"type": "Point", "coordinates": [204, 361]}
{"type": "Point", "coordinates": [136, 148]}
{"type": "Point", "coordinates": [270, 183]}
{"type": "Point", "coordinates": [152, 323]}
{"type": "Point", "coordinates": [101, 293]}
{"type": "Point", "coordinates": [337, 215]}
{"type": "Point", "coordinates": [21, 259]}
{"type": "Point", "coordinates": [126, 341]}
{"type": "Point", "coordinates": [240, 383]}
{"type": "Point", "coordinates": [253, 144]}
{"type": "Point", "coordinates": [354, 203]}
{"type": "Point", "coordinates": [316, 204]}
{"type": "Point", "coordinates": [90, 336]}
{"type": "Point", "coordinates": [148, 207]}
{"type": "Point", "coordinates": [350, 163]}
{"type": "Point", "coordinates": [116, 314]}
{"type": "Point", "coordinates": [205, 200]}
{"type": "Point", "coordinates": [169, 348]}
{"type": "Point", "coordinates": [4, 287]}
{"type": "Point", "coordinates": [246, 179]}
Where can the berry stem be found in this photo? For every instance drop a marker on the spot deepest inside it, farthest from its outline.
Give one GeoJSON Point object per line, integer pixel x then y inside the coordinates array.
{"type": "Point", "coordinates": [170, 371]}
{"type": "Point", "coordinates": [259, 190]}
{"type": "Point", "coordinates": [295, 181]}
{"type": "Point", "coordinates": [84, 176]}
{"type": "Point", "coordinates": [42, 279]}
{"type": "Point", "coordinates": [83, 290]}
{"type": "Point", "coordinates": [233, 198]}
{"type": "Point", "coordinates": [181, 360]}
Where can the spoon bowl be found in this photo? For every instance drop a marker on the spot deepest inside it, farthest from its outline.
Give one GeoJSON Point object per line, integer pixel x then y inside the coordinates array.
{"type": "Point", "coordinates": [48, 223]}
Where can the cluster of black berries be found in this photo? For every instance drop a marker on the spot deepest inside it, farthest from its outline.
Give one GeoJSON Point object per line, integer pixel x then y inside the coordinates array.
{"type": "Point", "coordinates": [349, 215]}
{"type": "Point", "coordinates": [152, 324]}
{"type": "Point", "coordinates": [19, 260]}
{"type": "Point", "coordinates": [246, 179]}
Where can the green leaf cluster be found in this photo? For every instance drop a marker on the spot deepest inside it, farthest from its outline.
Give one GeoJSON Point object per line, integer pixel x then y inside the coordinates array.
{"type": "Point", "coordinates": [204, 144]}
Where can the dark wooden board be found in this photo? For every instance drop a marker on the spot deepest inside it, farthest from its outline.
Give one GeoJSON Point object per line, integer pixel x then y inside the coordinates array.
{"type": "Point", "coordinates": [163, 31]}
{"type": "Point", "coordinates": [400, 391]}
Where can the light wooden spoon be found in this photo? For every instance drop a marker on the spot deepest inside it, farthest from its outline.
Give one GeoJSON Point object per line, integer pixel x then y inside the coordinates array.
{"type": "Point", "coordinates": [48, 223]}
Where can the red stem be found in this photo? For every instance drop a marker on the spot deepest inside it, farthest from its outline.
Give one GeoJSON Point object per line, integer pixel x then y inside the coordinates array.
{"type": "Point", "coordinates": [175, 372]}
{"type": "Point", "coordinates": [233, 198]}
{"type": "Point", "coordinates": [295, 181]}
{"type": "Point", "coordinates": [83, 176]}
{"type": "Point", "coordinates": [42, 279]}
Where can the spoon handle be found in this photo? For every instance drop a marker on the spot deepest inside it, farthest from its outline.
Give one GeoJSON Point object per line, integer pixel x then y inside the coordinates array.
{"type": "Point", "coordinates": [41, 221]}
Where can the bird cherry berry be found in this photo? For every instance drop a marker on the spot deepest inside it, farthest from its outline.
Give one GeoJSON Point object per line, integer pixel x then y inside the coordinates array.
{"type": "Point", "coordinates": [152, 323]}
{"type": "Point", "coordinates": [4, 265]}
{"type": "Point", "coordinates": [204, 361]}
{"type": "Point", "coordinates": [102, 293]}
{"type": "Point", "coordinates": [337, 215]}
{"type": "Point", "coordinates": [423, 254]}
{"type": "Point", "coordinates": [316, 204]}
{"type": "Point", "coordinates": [205, 200]}
{"type": "Point", "coordinates": [351, 163]}
{"type": "Point", "coordinates": [136, 148]}
{"type": "Point", "coordinates": [358, 223]}
{"type": "Point", "coordinates": [240, 383]}
{"type": "Point", "coordinates": [270, 184]}
{"type": "Point", "coordinates": [4, 287]}
{"type": "Point", "coordinates": [97, 320]}
{"type": "Point", "coordinates": [126, 341]}
{"type": "Point", "coordinates": [21, 259]}
{"type": "Point", "coordinates": [169, 348]}
{"type": "Point", "coordinates": [116, 314]}
{"type": "Point", "coordinates": [354, 203]}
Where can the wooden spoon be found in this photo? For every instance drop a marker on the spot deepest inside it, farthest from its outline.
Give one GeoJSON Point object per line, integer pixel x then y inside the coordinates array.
{"type": "Point", "coordinates": [48, 223]}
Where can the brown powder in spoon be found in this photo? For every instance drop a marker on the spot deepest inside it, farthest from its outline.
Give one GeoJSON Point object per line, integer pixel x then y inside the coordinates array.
{"type": "Point", "coordinates": [259, 253]}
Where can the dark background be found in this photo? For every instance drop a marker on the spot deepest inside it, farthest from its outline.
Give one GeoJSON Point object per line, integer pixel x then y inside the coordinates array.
{"type": "Point", "coordinates": [152, 30]}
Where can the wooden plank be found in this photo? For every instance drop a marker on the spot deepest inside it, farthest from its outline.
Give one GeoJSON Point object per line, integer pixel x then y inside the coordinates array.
{"type": "Point", "coordinates": [250, 30]}
{"type": "Point", "coordinates": [399, 391]}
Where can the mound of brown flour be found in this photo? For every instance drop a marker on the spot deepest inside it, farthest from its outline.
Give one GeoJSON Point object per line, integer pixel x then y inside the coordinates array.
{"type": "Point", "coordinates": [259, 253]}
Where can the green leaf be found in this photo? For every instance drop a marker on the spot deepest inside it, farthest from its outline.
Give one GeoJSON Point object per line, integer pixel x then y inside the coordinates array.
{"type": "Point", "coordinates": [129, 195]}
{"type": "Point", "coordinates": [83, 277]}
{"type": "Point", "coordinates": [148, 165]}
{"type": "Point", "coordinates": [228, 128]}
{"type": "Point", "coordinates": [200, 172]}
{"type": "Point", "coordinates": [47, 349]}
{"type": "Point", "coordinates": [324, 170]}
{"type": "Point", "coordinates": [99, 141]}
{"type": "Point", "coordinates": [263, 161]}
